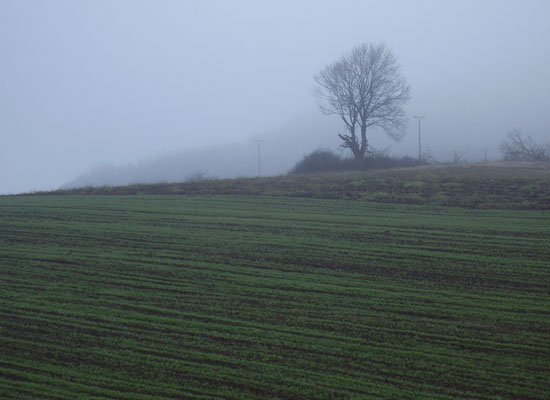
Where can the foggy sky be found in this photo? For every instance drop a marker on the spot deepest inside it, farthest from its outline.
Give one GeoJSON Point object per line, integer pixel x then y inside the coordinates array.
{"type": "Point", "coordinates": [84, 83]}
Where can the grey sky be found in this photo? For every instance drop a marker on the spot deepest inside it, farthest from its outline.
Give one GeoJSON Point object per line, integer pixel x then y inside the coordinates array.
{"type": "Point", "coordinates": [88, 82]}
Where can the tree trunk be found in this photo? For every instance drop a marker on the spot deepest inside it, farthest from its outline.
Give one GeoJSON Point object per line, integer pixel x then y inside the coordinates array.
{"type": "Point", "coordinates": [358, 154]}
{"type": "Point", "coordinates": [360, 149]}
{"type": "Point", "coordinates": [364, 142]}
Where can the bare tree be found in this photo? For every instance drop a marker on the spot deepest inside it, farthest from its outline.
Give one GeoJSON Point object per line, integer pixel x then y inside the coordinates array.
{"type": "Point", "coordinates": [520, 147]}
{"type": "Point", "coordinates": [365, 89]}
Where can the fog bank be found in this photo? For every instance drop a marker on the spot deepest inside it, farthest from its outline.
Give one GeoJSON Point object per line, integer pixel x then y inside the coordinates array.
{"type": "Point", "coordinates": [88, 83]}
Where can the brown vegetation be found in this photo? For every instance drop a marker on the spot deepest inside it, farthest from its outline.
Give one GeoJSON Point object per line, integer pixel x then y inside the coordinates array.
{"type": "Point", "coordinates": [498, 186]}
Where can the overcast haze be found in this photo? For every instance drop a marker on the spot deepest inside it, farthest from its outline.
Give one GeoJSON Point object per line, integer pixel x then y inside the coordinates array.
{"type": "Point", "coordinates": [87, 83]}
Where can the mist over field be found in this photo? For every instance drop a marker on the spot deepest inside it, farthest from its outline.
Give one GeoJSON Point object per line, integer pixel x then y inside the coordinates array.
{"type": "Point", "coordinates": [109, 92]}
{"type": "Point", "coordinates": [226, 160]}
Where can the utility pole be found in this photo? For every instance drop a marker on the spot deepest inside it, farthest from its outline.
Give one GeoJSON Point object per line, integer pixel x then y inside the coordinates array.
{"type": "Point", "coordinates": [259, 156]}
{"type": "Point", "coordinates": [419, 117]}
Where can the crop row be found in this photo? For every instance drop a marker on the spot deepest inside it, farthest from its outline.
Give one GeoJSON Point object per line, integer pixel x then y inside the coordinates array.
{"type": "Point", "coordinates": [236, 297]}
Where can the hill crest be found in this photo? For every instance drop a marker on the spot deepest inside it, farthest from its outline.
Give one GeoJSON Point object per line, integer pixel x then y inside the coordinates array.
{"type": "Point", "coordinates": [494, 185]}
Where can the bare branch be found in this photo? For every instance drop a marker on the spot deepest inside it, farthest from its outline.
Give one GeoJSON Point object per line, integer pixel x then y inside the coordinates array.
{"type": "Point", "coordinates": [366, 89]}
{"type": "Point", "coordinates": [520, 147]}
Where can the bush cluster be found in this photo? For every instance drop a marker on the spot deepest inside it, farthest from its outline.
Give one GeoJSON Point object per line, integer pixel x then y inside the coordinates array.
{"type": "Point", "coordinates": [323, 160]}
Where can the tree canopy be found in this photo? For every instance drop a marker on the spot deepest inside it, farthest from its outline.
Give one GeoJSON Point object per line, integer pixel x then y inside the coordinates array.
{"type": "Point", "coordinates": [366, 89]}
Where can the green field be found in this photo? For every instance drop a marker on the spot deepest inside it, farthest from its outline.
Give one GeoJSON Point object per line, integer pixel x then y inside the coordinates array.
{"type": "Point", "coordinates": [169, 297]}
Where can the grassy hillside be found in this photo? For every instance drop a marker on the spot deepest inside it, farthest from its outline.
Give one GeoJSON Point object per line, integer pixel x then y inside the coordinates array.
{"type": "Point", "coordinates": [164, 297]}
{"type": "Point", "coordinates": [491, 186]}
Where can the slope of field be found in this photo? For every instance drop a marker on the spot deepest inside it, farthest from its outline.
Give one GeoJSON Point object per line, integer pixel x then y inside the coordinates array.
{"type": "Point", "coordinates": [164, 297]}
{"type": "Point", "coordinates": [478, 186]}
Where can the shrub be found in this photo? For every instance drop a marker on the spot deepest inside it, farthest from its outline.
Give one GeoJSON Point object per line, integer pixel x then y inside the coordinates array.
{"type": "Point", "coordinates": [520, 147]}
{"type": "Point", "coordinates": [323, 160]}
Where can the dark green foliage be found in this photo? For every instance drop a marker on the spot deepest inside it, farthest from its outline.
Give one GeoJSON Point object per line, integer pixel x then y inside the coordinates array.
{"type": "Point", "coordinates": [162, 297]}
